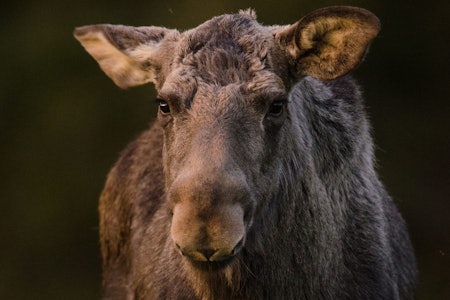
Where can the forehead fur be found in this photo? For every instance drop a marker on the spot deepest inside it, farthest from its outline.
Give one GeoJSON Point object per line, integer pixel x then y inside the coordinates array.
{"type": "Point", "coordinates": [226, 49]}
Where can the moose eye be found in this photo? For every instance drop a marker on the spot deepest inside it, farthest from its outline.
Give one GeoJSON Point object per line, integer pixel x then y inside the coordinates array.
{"type": "Point", "coordinates": [276, 108]}
{"type": "Point", "coordinates": [164, 107]}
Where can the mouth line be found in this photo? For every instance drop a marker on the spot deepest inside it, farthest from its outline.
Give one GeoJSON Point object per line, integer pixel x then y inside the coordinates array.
{"type": "Point", "coordinates": [211, 266]}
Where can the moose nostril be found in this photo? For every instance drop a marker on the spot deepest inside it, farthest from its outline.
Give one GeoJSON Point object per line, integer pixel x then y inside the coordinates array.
{"type": "Point", "coordinates": [208, 253]}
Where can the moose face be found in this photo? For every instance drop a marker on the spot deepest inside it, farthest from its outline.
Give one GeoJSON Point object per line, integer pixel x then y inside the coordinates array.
{"type": "Point", "coordinates": [221, 132]}
{"type": "Point", "coordinates": [223, 90]}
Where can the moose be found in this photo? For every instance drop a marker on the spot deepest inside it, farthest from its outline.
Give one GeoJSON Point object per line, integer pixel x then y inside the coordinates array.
{"type": "Point", "coordinates": [257, 179]}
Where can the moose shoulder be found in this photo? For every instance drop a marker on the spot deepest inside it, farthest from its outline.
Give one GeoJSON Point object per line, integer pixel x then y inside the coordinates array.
{"type": "Point", "coordinates": [256, 181]}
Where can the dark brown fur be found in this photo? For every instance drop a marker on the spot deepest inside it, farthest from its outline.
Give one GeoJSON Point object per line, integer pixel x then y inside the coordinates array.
{"type": "Point", "coordinates": [255, 182]}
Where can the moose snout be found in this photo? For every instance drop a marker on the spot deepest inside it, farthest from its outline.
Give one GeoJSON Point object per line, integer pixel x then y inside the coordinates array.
{"type": "Point", "coordinates": [210, 218]}
{"type": "Point", "coordinates": [213, 236]}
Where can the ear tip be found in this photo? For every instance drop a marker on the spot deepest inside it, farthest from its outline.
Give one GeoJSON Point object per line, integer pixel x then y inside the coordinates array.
{"type": "Point", "coordinates": [86, 30]}
{"type": "Point", "coordinates": [364, 14]}
{"type": "Point", "coordinates": [348, 11]}
{"type": "Point", "coordinates": [370, 17]}
{"type": "Point", "coordinates": [77, 32]}
{"type": "Point", "coordinates": [81, 30]}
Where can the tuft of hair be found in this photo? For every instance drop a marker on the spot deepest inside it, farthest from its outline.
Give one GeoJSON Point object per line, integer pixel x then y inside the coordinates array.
{"type": "Point", "coordinates": [249, 12]}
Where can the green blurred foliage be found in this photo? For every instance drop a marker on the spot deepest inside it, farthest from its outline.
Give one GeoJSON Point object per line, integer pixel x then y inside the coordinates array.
{"type": "Point", "coordinates": [63, 123]}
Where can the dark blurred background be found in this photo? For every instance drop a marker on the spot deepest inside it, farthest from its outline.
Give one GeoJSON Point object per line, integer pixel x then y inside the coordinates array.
{"type": "Point", "coordinates": [63, 123]}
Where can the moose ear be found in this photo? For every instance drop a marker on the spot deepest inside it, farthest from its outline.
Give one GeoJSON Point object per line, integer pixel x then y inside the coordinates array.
{"type": "Point", "coordinates": [329, 42]}
{"type": "Point", "coordinates": [130, 56]}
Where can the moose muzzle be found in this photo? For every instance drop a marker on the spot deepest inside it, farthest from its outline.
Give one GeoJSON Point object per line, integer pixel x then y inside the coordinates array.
{"type": "Point", "coordinates": [210, 213]}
